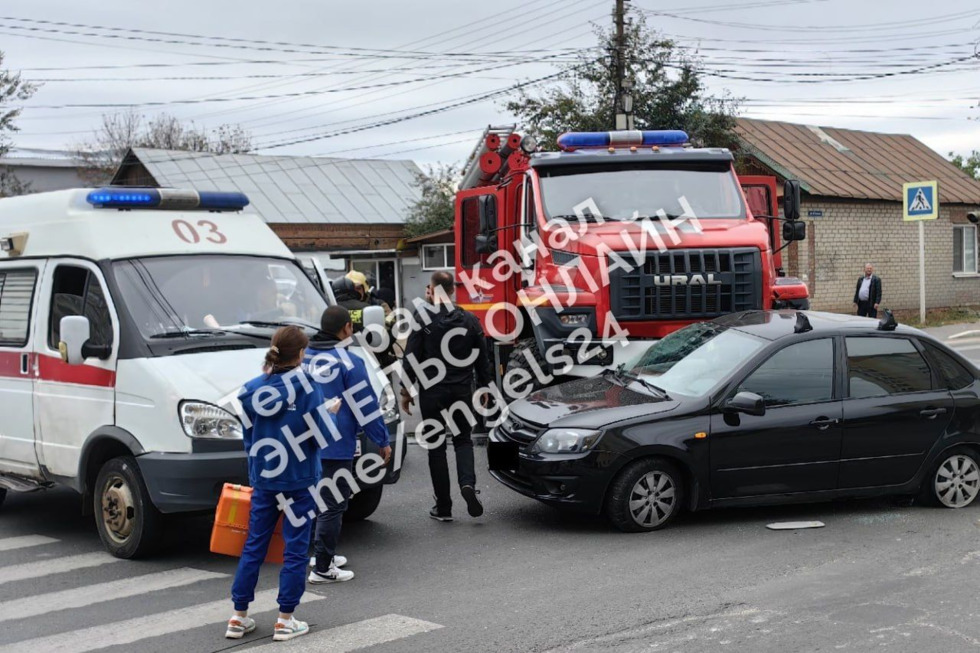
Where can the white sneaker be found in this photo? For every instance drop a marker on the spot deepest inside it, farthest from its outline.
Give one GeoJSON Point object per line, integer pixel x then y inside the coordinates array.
{"type": "Point", "coordinates": [238, 627]}
{"type": "Point", "coordinates": [338, 561]}
{"type": "Point", "coordinates": [287, 631]}
{"type": "Point", "coordinates": [333, 575]}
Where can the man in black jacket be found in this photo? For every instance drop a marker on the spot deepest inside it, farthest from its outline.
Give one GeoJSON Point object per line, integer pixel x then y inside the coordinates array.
{"type": "Point", "coordinates": [452, 340]}
{"type": "Point", "coordinates": [867, 294]}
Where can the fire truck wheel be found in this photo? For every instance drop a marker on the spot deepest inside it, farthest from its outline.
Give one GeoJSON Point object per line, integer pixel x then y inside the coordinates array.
{"type": "Point", "coordinates": [129, 524]}
{"type": "Point", "coordinates": [363, 504]}
{"type": "Point", "coordinates": [520, 359]}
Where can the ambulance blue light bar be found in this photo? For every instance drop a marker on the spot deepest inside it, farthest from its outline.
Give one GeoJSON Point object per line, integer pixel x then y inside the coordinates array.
{"type": "Point", "coordinates": [166, 199]}
{"type": "Point", "coordinates": [571, 141]}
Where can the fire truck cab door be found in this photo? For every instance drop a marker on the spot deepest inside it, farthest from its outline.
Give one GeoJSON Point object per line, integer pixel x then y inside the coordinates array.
{"type": "Point", "coordinates": [761, 197]}
{"type": "Point", "coordinates": [481, 264]}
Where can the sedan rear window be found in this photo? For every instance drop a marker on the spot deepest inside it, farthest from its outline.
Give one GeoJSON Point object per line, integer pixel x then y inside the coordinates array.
{"type": "Point", "coordinates": [885, 366]}
{"type": "Point", "coordinates": [955, 376]}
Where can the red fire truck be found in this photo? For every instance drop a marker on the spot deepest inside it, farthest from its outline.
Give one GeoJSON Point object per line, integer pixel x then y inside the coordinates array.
{"type": "Point", "coordinates": [625, 236]}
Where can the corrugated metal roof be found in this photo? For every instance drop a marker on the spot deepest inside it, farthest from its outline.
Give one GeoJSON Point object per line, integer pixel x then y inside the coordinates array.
{"type": "Point", "coordinates": [295, 189]}
{"type": "Point", "coordinates": [832, 162]}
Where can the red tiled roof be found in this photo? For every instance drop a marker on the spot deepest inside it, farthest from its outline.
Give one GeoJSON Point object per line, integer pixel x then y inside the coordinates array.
{"type": "Point", "coordinates": [832, 162]}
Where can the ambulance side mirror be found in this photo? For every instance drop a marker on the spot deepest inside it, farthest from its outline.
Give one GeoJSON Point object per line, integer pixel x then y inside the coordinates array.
{"type": "Point", "coordinates": [373, 318]}
{"type": "Point", "coordinates": [75, 331]}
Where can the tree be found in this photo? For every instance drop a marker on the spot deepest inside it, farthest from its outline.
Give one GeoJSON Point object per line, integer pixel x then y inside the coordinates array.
{"type": "Point", "coordinates": [433, 210]}
{"type": "Point", "coordinates": [970, 165]}
{"type": "Point", "coordinates": [120, 131]}
{"type": "Point", "coordinates": [667, 89]}
{"type": "Point", "coordinates": [12, 88]}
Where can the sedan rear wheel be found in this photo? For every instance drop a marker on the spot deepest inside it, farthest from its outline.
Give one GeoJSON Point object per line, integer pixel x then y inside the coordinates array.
{"type": "Point", "coordinates": [956, 482]}
{"type": "Point", "coordinates": [646, 496]}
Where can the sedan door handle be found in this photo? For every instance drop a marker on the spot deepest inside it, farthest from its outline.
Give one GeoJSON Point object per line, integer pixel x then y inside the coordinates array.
{"type": "Point", "coordinates": [823, 423]}
{"type": "Point", "coordinates": [932, 413]}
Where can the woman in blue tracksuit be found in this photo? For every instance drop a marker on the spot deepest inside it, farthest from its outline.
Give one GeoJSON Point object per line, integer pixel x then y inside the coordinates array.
{"type": "Point", "coordinates": [275, 403]}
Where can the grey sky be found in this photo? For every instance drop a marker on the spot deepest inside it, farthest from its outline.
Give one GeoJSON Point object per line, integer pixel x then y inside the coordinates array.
{"type": "Point", "coordinates": [491, 46]}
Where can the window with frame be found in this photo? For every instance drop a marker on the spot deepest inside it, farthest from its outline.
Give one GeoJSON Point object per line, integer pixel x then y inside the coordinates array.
{"type": "Point", "coordinates": [802, 373]}
{"type": "Point", "coordinates": [877, 367]}
{"type": "Point", "coordinates": [438, 257]}
{"type": "Point", "coordinates": [16, 299]}
{"type": "Point", "coordinates": [470, 211]}
{"type": "Point", "coordinates": [965, 249]}
{"type": "Point", "coordinates": [77, 291]}
{"type": "Point", "coordinates": [953, 374]}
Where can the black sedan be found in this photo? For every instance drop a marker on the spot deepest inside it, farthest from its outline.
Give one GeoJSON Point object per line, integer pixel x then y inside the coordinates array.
{"type": "Point", "coordinates": [759, 407]}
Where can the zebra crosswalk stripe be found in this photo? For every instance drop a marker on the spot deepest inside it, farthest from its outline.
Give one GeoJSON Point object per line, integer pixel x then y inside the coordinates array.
{"type": "Point", "coordinates": [24, 541]}
{"type": "Point", "coordinates": [41, 568]}
{"type": "Point", "coordinates": [354, 636]}
{"type": "Point", "coordinates": [100, 592]}
{"type": "Point", "coordinates": [155, 625]}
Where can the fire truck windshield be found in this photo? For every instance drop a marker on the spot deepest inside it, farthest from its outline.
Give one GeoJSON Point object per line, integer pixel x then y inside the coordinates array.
{"type": "Point", "coordinates": [624, 191]}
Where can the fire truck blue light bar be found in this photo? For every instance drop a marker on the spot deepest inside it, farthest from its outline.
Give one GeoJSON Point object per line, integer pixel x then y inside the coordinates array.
{"type": "Point", "coordinates": [166, 199]}
{"type": "Point", "coordinates": [571, 141]}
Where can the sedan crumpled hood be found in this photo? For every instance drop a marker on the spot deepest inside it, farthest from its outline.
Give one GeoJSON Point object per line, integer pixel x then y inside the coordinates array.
{"type": "Point", "coordinates": [589, 403]}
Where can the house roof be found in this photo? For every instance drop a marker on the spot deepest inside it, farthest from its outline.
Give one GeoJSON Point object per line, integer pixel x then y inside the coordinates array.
{"type": "Point", "coordinates": [290, 189]}
{"type": "Point", "coordinates": [832, 162]}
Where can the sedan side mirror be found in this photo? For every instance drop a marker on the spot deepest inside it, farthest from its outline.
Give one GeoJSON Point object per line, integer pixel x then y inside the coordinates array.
{"type": "Point", "coordinates": [746, 402]}
{"type": "Point", "coordinates": [373, 318]}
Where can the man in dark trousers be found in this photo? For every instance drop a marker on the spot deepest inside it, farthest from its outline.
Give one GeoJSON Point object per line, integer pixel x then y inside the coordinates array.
{"type": "Point", "coordinates": [451, 335]}
{"type": "Point", "coordinates": [867, 294]}
{"type": "Point", "coordinates": [343, 374]}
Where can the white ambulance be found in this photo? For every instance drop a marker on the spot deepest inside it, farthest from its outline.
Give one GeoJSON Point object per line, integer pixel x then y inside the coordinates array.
{"type": "Point", "coordinates": [128, 320]}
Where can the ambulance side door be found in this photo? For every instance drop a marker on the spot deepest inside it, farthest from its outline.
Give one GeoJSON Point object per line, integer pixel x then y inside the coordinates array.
{"type": "Point", "coordinates": [72, 401]}
{"type": "Point", "coordinates": [18, 313]}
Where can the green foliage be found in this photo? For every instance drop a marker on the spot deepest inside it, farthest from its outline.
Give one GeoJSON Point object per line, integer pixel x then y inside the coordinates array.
{"type": "Point", "coordinates": [434, 210]}
{"type": "Point", "coordinates": [970, 165]}
{"type": "Point", "coordinates": [668, 93]}
{"type": "Point", "coordinates": [12, 89]}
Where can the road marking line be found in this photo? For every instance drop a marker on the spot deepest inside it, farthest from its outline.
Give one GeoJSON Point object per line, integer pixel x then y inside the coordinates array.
{"type": "Point", "coordinates": [55, 566]}
{"type": "Point", "coordinates": [129, 631]}
{"type": "Point", "coordinates": [79, 597]}
{"type": "Point", "coordinates": [354, 636]}
{"type": "Point", "coordinates": [24, 541]}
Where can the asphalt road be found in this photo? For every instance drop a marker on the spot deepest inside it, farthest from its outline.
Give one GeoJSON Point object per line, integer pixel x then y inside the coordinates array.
{"type": "Point", "coordinates": [879, 575]}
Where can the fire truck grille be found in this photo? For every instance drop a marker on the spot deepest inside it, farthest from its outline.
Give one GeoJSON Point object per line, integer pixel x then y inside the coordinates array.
{"type": "Point", "coordinates": [688, 283]}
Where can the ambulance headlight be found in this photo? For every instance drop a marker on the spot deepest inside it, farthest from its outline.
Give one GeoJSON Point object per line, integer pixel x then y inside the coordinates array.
{"type": "Point", "coordinates": [201, 420]}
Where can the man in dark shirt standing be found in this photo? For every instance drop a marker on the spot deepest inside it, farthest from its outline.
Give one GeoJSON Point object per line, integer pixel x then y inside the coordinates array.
{"type": "Point", "coordinates": [455, 338]}
{"type": "Point", "coordinates": [867, 294]}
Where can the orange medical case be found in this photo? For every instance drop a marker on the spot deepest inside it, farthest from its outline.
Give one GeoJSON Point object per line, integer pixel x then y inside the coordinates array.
{"type": "Point", "coordinates": [231, 524]}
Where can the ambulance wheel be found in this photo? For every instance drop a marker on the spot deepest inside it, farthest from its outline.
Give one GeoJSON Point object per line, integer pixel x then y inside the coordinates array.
{"type": "Point", "coordinates": [363, 504]}
{"type": "Point", "coordinates": [525, 351]}
{"type": "Point", "coordinates": [129, 524]}
{"type": "Point", "coordinates": [3, 495]}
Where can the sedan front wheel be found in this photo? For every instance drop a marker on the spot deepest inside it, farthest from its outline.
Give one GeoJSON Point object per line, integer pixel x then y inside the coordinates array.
{"type": "Point", "coordinates": [645, 496]}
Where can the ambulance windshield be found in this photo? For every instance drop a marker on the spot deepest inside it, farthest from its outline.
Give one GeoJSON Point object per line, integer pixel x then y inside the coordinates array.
{"type": "Point", "coordinates": [624, 191]}
{"type": "Point", "coordinates": [196, 295]}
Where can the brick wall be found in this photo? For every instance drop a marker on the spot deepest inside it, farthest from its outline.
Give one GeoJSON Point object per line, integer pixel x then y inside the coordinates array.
{"type": "Point", "coordinates": [851, 233]}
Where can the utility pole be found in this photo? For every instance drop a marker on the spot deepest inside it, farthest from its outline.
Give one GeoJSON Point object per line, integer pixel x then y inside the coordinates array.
{"type": "Point", "coordinates": [623, 102]}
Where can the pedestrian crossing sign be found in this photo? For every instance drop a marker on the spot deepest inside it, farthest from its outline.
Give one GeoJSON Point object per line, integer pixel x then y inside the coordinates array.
{"type": "Point", "coordinates": [921, 200]}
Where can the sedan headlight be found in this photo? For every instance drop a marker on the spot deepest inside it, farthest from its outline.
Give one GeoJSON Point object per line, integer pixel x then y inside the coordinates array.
{"type": "Point", "coordinates": [565, 441]}
{"type": "Point", "coordinates": [201, 420]}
